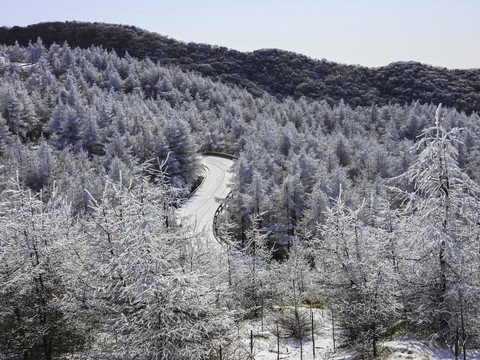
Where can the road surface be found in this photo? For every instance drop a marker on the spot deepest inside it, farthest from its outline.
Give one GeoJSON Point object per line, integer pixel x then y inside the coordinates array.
{"type": "Point", "coordinates": [199, 211]}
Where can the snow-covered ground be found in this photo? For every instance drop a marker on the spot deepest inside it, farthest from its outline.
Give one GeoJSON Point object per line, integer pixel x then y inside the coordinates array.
{"type": "Point", "coordinates": [265, 345]}
{"type": "Point", "coordinates": [413, 350]}
{"type": "Point", "coordinates": [265, 342]}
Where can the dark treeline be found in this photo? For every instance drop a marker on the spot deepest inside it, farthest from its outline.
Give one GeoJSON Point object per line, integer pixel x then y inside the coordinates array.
{"type": "Point", "coordinates": [277, 72]}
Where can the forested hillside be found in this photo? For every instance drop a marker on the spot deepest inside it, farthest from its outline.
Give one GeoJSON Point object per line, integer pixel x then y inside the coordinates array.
{"type": "Point", "coordinates": [276, 72]}
{"type": "Point", "coordinates": [368, 212]}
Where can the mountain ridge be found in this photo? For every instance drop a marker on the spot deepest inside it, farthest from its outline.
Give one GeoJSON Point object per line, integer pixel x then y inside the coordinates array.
{"type": "Point", "coordinates": [278, 72]}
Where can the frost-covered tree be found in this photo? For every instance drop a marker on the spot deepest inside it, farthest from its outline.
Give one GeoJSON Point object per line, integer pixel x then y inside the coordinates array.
{"type": "Point", "coordinates": [5, 136]}
{"type": "Point", "coordinates": [441, 228]}
{"type": "Point", "coordinates": [65, 125]}
{"type": "Point", "coordinates": [358, 274]}
{"type": "Point", "coordinates": [183, 165]}
{"type": "Point", "coordinates": [290, 196]}
{"type": "Point", "coordinates": [251, 270]}
{"type": "Point", "coordinates": [151, 304]}
{"type": "Point", "coordinates": [295, 288]}
{"type": "Point", "coordinates": [35, 51]}
{"type": "Point", "coordinates": [14, 111]}
{"type": "Point", "coordinates": [90, 136]}
{"type": "Point", "coordinates": [39, 315]}
{"type": "Point", "coordinates": [16, 52]}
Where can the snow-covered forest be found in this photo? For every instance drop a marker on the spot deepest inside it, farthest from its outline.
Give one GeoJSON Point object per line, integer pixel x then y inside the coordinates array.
{"type": "Point", "coordinates": [370, 213]}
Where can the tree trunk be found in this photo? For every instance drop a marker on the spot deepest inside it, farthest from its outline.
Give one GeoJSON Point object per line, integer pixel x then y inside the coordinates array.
{"type": "Point", "coordinates": [456, 349]}
{"type": "Point", "coordinates": [278, 344]}
{"type": "Point", "coordinates": [251, 343]}
{"type": "Point", "coordinates": [262, 304]}
{"type": "Point", "coordinates": [301, 349]}
{"type": "Point", "coordinates": [47, 347]}
{"type": "Point", "coordinates": [229, 262]}
{"type": "Point", "coordinates": [443, 288]}
{"type": "Point", "coordinates": [464, 336]}
{"type": "Point", "coordinates": [445, 189]}
{"type": "Point", "coordinates": [313, 332]}
{"type": "Point", "coordinates": [333, 329]}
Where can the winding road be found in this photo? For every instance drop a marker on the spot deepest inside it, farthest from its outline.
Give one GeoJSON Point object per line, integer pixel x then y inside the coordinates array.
{"type": "Point", "coordinates": [199, 210]}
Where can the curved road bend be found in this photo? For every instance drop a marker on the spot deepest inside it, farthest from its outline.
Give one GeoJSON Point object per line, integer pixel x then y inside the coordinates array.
{"type": "Point", "coordinates": [199, 210]}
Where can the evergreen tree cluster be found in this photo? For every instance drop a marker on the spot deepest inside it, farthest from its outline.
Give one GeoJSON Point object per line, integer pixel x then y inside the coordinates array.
{"type": "Point", "coordinates": [369, 211]}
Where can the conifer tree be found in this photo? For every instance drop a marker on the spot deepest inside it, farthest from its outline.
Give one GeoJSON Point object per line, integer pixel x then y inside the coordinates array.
{"type": "Point", "coordinates": [142, 292]}
{"type": "Point", "coordinates": [35, 51]}
{"type": "Point", "coordinates": [441, 229]}
{"type": "Point", "coordinates": [358, 275]}
{"type": "Point", "coordinates": [39, 317]}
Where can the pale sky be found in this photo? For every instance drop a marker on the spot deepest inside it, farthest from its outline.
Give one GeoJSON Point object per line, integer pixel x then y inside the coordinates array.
{"type": "Point", "coordinates": [364, 32]}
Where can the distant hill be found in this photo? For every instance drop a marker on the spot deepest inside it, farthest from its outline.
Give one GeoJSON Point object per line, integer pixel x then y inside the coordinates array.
{"type": "Point", "coordinates": [280, 73]}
